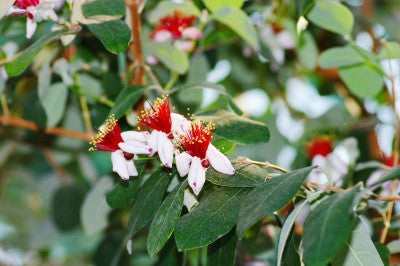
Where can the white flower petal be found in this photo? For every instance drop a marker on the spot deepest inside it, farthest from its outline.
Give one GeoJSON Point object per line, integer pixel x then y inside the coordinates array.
{"type": "Point", "coordinates": [197, 175]}
{"type": "Point", "coordinates": [165, 150]}
{"type": "Point", "coordinates": [192, 33]}
{"type": "Point", "coordinates": [131, 168]}
{"type": "Point", "coordinates": [135, 147]}
{"type": "Point", "coordinates": [152, 142]}
{"type": "Point", "coordinates": [162, 36]}
{"type": "Point", "coordinates": [189, 200]}
{"type": "Point", "coordinates": [219, 161]}
{"type": "Point", "coordinates": [141, 136]}
{"type": "Point", "coordinates": [119, 164]}
{"type": "Point", "coordinates": [30, 27]}
{"type": "Point", "coordinates": [179, 124]}
{"type": "Point", "coordinates": [183, 163]}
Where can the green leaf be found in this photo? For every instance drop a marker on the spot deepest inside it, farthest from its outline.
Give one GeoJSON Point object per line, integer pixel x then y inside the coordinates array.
{"type": "Point", "coordinates": [237, 128]}
{"type": "Point", "coordinates": [392, 174]}
{"type": "Point", "coordinates": [246, 175]}
{"type": "Point", "coordinates": [272, 196]}
{"type": "Point", "coordinates": [384, 253]}
{"type": "Point", "coordinates": [340, 56]}
{"type": "Point", "coordinates": [223, 251]}
{"type": "Point", "coordinates": [239, 22]}
{"type": "Point", "coordinates": [287, 226]}
{"type": "Point", "coordinates": [169, 255]}
{"type": "Point", "coordinates": [148, 200]}
{"type": "Point", "coordinates": [126, 100]}
{"type": "Point", "coordinates": [394, 246]}
{"type": "Point", "coordinates": [173, 58]}
{"type": "Point", "coordinates": [165, 220]}
{"type": "Point", "coordinates": [214, 5]}
{"type": "Point", "coordinates": [307, 50]}
{"type": "Point", "coordinates": [104, 8]}
{"type": "Point", "coordinates": [114, 34]}
{"type": "Point", "coordinates": [18, 65]}
{"type": "Point", "coordinates": [358, 250]}
{"type": "Point", "coordinates": [362, 80]}
{"type": "Point", "coordinates": [167, 7]}
{"type": "Point", "coordinates": [328, 226]}
{"type": "Point", "coordinates": [54, 101]}
{"type": "Point", "coordinates": [390, 50]}
{"type": "Point", "coordinates": [94, 209]}
{"type": "Point", "coordinates": [332, 16]}
{"type": "Point", "coordinates": [212, 218]}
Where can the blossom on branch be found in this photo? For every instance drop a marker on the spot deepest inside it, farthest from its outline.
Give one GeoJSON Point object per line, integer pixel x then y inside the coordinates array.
{"type": "Point", "coordinates": [123, 147]}
{"type": "Point", "coordinates": [36, 11]}
{"type": "Point", "coordinates": [199, 154]}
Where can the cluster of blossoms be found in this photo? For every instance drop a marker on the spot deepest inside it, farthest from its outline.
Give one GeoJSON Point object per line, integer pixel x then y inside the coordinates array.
{"type": "Point", "coordinates": [171, 134]}
{"type": "Point", "coordinates": [177, 29]}
{"type": "Point", "coordinates": [35, 11]}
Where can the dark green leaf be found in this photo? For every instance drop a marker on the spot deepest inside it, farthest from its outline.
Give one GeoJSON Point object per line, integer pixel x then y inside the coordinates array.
{"type": "Point", "coordinates": [340, 56]}
{"type": "Point", "coordinates": [169, 255]}
{"type": "Point", "coordinates": [165, 219]}
{"type": "Point", "coordinates": [104, 8]}
{"type": "Point", "coordinates": [362, 80]}
{"type": "Point", "coordinates": [384, 253]}
{"type": "Point", "coordinates": [148, 200]}
{"type": "Point", "coordinates": [18, 65]}
{"type": "Point", "coordinates": [239, 22]}
{"type": "Point", "coordinates": [332, 16]}
{"type": "Point", "coordinates": [238, 129]}
{"type": "Point", "coordinates": [358, 250]}
{"type": "Point", "coordinates": [246, 175]}
{"type": "Point", "coordinates": [223, 251]}
{"type": "Point", "coordinates": [328, 226]}
{"type": "Point", "coordinates": [169, 55]}
{"type": "Point", "coordinates": [124, 192]}
{"type": "Point", "coordinates": [126, 100]}
{"type": "Point", "coordinates": [234, 107]}
{"type": "Point", "coordinates": [114, 34]}
{"type": "Point", "coordinates": [212, 218]}
{"type": "Point", "coordinates": [270, 197]}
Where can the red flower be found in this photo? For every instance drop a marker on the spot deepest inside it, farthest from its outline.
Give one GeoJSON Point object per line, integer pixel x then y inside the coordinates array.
{"type": "Point", "coordinates": [197, 139]}
{"type": "Point", "coordinates": [108, 139]}
{"type": "Point", "coordinates": [389, 161]}
{"type": "Point", "coordinates": [158, 117]}
{"type": "Point", "coordinates": [174, 24]}
{"type": "Point", "coordinates": [321, 145]}
{"type": "Point", "coordinates": [24, 4]}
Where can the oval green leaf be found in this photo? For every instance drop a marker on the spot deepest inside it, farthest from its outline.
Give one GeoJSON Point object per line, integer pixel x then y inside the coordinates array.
{"type": "Point", "coordinates": [173, 58]}
{"type": "Point", "coordinates": [223, 251]}
{"type": "Point", "coordinates": [340, 56]}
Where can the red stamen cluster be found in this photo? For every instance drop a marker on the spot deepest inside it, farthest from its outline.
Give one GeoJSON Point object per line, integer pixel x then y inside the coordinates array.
{"type": "Point", "coordinates": [107, 139]}
{"type": "Point", "coordinates": [175, 24]}
{"type": "Point", "coordinates": [24, 4]}
{"type": "Point", "coordinates": [389, 161]}
{"type": "Point", "coordinates": [197, 139]}
{"type": "Point", "coordinates": [158, 117]}
{"type": "Point", "coordinates": [321, 145]}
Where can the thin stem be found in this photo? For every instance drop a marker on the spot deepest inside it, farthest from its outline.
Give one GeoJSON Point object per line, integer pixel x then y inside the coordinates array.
{"type": "Point", "coordinates": [269, 165]}
{"type": "Point", "coordinates": [29, 125]}
{"type": "Point", "coordinates": [388, 216]}
{"type": "Point", "coordinates": [84, 105]}
{"type": "Point", "coordinates": [4, 105]}
{"type": "Point", "coordinates": [174, 77]}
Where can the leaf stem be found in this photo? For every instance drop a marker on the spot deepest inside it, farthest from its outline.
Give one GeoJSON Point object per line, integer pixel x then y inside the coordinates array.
{"type": "Point", "coordinates": [174, 77]}
{"type": "Point", "coordinates": [84, 105]}
{"type": "Point", "coordinates": [4, 105]}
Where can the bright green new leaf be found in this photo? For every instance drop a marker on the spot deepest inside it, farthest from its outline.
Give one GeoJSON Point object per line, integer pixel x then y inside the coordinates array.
{"type": "Point", "coordinates": [165, 8]}
{"type": "Point", "coordinates": [362, 80]}
{"type": "Point", "coordinates": [148, 200]}
{"type": "Point", "coordinates": [239, 22]}
{"type": "Point", "coordinates": [126, 100]}
{"type": "Point", "coordinates": [389, 50]}
{"type": "Point", "coordinates": [359, 250]}
{"type": "Point", "coordinates": [328, 226]}
{"type": "Point", "coordinates": [223, 251]}
{"type": "Point", "coordinates": [211, 219]}
{"type": "Point", "coordinates": [169, 55]}
{"type": "Point", "coordinates": [272, 196]}
{"type": "Point", "coordinates": [214, 5]}
{"type": "Point", "coordinates": [246, 175]}
{"type": "Point", "coordinates": [339, 57]}
{"type": "Point", "coordinates": [165, 219]}
{"type": "Point", "coordinates": [237, 128]}
{"type": "Point", "coordinates": [114, 34]}
{"type": "Point", "coordinates": [18, 65]}
{"type": "Point", "coordinates": [104, 8]}
{"type": "Point", "coordinates": [94, 209]}
{"type": "Point", "coordinates": [332, 16]}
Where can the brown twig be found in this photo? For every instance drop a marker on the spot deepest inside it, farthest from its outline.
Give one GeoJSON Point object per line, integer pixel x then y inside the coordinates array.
{"type": "Point", "coordinates": [57, 131]}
